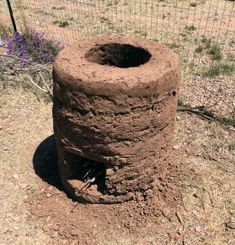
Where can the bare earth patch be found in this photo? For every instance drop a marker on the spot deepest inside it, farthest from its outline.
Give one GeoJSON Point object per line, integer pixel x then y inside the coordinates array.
{"type": "Point", "coordinates": [35, 210]}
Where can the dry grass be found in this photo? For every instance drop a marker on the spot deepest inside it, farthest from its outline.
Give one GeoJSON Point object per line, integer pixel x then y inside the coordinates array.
{"type": "Point", "coordinates": [165, 21]}
{"type": "Point", "coordinates": [203, 149]}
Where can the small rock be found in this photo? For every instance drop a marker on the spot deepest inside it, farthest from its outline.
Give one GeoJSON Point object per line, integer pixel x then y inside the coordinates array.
{"type": "Point", "coordinates": [149, 194]}
{"type": "Point", "coordinates": [230, 224]}
{"type": "Point", "coordinates": [22, 185]}
{"type": "Point", "coordinates": [109, 172]}
{"type": "Point", "coordinates": [176, 236]}
{"type": "Point", "coordinates": [180, 231]}
{"type": "Point", "coordinates": [54, 235]}
{"type": "Point", "coordinates": [56, 228]}
{"type": "Point", "coordinates": [167, 213]}
{"type": "Point", "coordinates": [176, 147]}
{"type": "Point", "coordinates": [73, 232]}
{"type": "Point", "coordinates": [48, 195]}
{"type": "Point", "coordinates": [198, 228]}
{"type": "Point", "coordinates": [196, 195]}
{"type": "Point", "coordinates": [161, 188]}
{"type": "Point", "coordinates": [15, 176]}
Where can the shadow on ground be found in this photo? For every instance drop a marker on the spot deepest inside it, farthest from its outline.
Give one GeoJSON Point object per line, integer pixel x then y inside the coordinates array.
{"type": "Point", "coordinates": [45, 162]}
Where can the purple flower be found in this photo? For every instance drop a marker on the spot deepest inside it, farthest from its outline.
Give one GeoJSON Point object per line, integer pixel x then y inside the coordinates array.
{"type": "Point", "coordinates": [32, 47]}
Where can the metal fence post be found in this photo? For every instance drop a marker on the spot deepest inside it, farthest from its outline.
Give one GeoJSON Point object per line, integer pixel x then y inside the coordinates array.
{"type": "Point", "coordinates": [11, 15]}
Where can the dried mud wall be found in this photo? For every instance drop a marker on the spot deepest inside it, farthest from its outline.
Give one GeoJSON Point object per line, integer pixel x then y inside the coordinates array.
{"type": "Point", "coordinates": [123, 117]}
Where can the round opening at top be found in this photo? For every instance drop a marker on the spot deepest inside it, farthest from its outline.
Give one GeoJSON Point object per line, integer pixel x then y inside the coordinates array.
{"type": "Point", "coordinates": [119, 55]}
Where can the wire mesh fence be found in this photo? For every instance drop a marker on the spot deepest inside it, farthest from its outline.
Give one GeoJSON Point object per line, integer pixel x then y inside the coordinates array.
{"type": "Point", "coordinates": [201, 31]}
{"type": "Point", "coordinates": [177, 23]}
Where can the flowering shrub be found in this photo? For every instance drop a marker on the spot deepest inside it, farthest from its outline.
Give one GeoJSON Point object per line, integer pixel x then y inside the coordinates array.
{"type": "Point", "coordinates": [32, 47]}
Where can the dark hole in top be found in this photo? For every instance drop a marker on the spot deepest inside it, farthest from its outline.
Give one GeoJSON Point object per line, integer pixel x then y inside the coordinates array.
{"type": "Point", "coordinates": [119, 55]}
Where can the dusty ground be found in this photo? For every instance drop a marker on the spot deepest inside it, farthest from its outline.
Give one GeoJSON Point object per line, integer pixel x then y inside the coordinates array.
{"type": "Point", "coordinates": [33, 206]}
{"type": "Point", "coordinates": [34, 209]}
{"type": "Point", "coordinates": [174, 22]}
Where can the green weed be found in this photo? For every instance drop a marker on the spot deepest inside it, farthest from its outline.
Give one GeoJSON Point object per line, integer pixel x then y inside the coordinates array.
{"type": "Point", "coordinates": [1, 77]}
{"type": "Point", "coordinates": [199, 49]}
{"type": "Point", "coordinates": [140, 33]}
{"type": "Point", "coordinates": [220, 68]}
{"type": "Point", "coordinates": [215, 52]}
{"type": "Point", "coordinates": [183, 34]}
{"type": "Point", "coordinates": [5, 31]}
{"type": "Point", "coordinates": [210, 48]}
{"type": "Point", "coordinates": [232, 43]}
{"type": "Point", "coordinates": [106, 20]}
{"type": "Point", "coordinates": [61, 23]}
{"type": "Point", "coordinates": [59, 8]}
{"type": "Point", "coordinates": [113, 3]}
{"type": "Point", "coordinates": [230, 121]}
{"type": "Point", "coordinates": [206, 42]}
{"type": "Point", "coordinates": [173, 45]}
{"type": "Point", "coordinates": [190, 28]}
{"type": "Point", "coordinates": [193, 4]}
{"type": "Point", "coordinates": [230, 57]}
{"type": "Point", "coordinates": [231, 146]}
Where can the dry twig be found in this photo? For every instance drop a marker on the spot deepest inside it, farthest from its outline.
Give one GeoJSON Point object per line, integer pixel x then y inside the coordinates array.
{"type": "Point", "coordinates": [30, 63]}
{"type": "Point", "coordinates": [47, 87]}
{"type": "Point", "coordinates": [40, 88]}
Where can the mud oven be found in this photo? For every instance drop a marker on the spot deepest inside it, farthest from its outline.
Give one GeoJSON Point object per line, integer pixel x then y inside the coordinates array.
{"type": "Point", "coordinates": [114, 109]}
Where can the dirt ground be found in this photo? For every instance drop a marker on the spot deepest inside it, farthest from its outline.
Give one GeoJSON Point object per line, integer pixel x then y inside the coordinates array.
{"type": "Point", "coordinates": [33, 206]}
{"type": "Point", "coordinates": [35, 210]}
{"type": "Point", "coordinates": [171, 22]}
